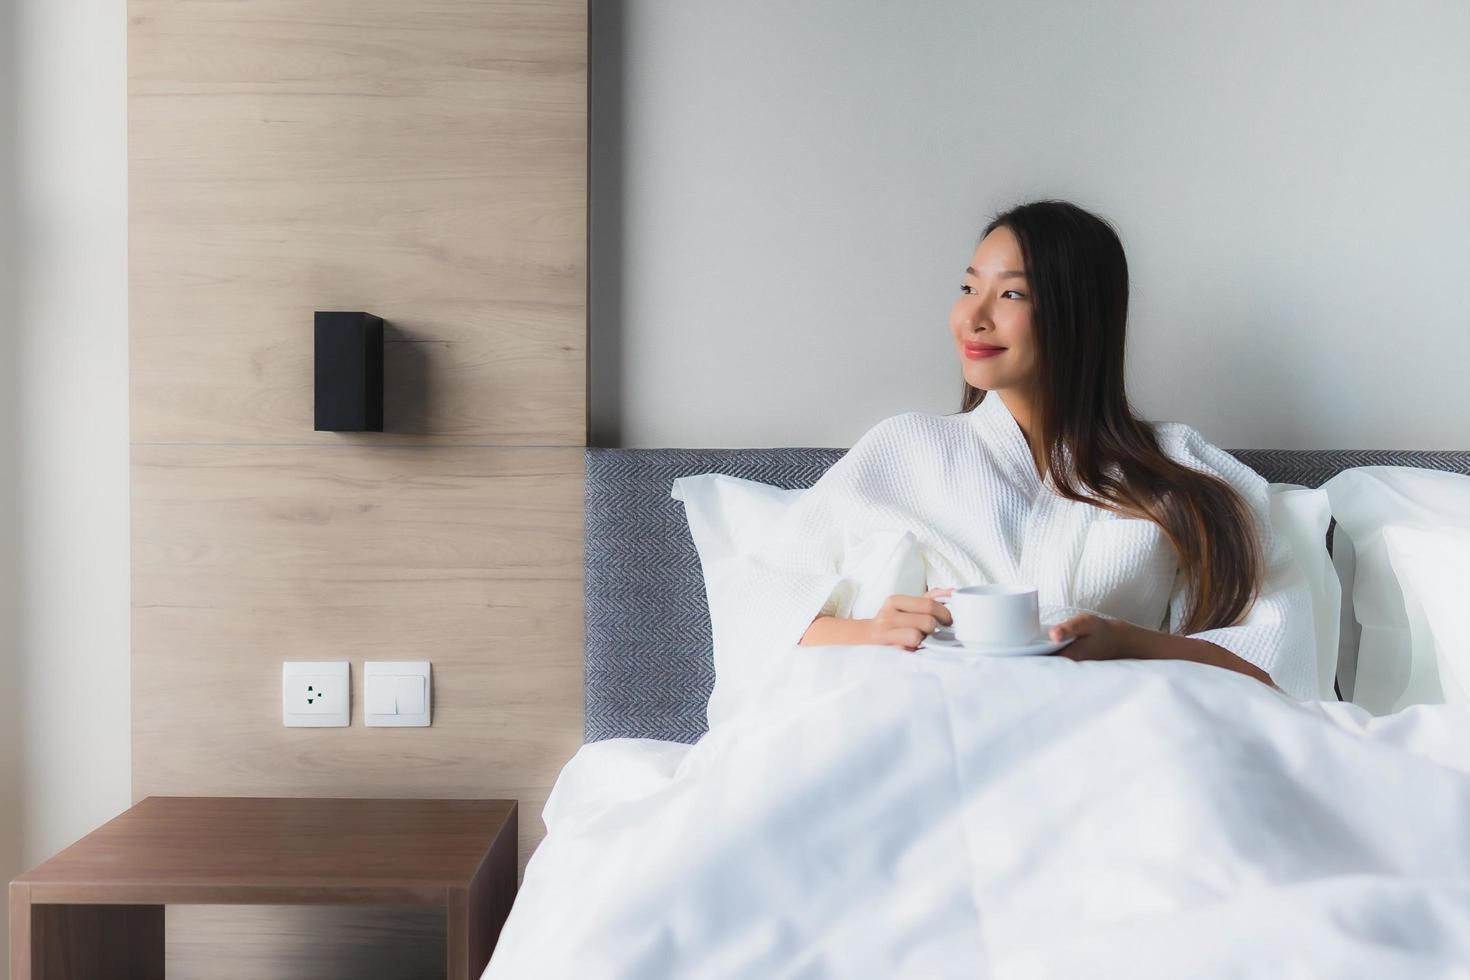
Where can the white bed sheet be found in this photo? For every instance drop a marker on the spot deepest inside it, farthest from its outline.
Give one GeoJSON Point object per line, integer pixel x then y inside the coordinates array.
{"type": "Point", "coordinates": [876, 813]}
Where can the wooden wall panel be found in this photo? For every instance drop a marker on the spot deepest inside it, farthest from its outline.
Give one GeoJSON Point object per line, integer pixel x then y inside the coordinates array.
{"type": "Point", "coordinates": [426, 162]}
{"type": "Point", "coordinates": [244, 557]}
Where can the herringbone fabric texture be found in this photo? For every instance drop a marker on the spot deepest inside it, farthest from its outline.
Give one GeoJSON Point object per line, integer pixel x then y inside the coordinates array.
{"type": "Point", "coordinates": [649, 667]}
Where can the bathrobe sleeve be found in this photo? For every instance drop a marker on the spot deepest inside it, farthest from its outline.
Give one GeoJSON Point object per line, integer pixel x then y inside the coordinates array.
{"type": "Point", "coordinates": [798, 570]}
{"type": "Point", "coordinates": [1277, 632]}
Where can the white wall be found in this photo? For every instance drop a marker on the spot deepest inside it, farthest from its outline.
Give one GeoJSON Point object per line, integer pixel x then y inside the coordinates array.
{"type": "Point", "coordinates": [784, 196]}
{"type": "Point", "coordinates": [10, 726]}
{"type": "Point", "coordinates": [65, 471]}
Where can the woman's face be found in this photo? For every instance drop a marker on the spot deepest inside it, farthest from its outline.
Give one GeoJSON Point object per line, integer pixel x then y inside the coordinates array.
{"type": "Point", "coordinates": [994, 309]}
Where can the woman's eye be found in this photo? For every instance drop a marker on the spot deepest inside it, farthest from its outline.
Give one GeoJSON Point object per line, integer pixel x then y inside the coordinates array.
{"type": "Point", "coordinates": [1016, 293]}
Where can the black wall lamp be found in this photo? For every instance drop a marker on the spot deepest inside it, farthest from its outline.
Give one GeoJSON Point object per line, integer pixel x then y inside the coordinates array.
{"type": "Point", "coordinates": [349, 372]}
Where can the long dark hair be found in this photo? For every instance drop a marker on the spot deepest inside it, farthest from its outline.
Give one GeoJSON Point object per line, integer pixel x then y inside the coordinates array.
{"type": "Point", "coordinates": [1079, 292]}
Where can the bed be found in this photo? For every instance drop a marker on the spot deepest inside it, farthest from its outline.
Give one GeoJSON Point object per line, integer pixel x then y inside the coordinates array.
{"type": "Point", "coordinates": [674, 854]}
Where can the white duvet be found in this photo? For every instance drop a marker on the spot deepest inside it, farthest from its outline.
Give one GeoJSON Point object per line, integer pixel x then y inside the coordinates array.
{"type": "Point", "coordinates": [877, 813]}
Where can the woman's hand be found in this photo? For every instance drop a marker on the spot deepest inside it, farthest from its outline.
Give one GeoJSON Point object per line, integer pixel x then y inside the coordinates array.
{"type": "Point", "coordinates": [905, 620]}
{"type": "Point", "coordinates": [1098, 638]}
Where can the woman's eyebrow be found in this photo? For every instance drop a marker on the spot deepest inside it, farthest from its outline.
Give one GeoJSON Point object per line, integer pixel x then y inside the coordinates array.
{"type": "Point", "coordinates": [1005, 274]}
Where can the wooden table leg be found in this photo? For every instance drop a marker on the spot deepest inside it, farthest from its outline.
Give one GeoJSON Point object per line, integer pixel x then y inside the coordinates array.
{"type": "Point", "coordinates": [20, 931]}
{"type": "Point", "coordinates": [69, 942]}
{"type": "Point", "coordinates": [473, 916]}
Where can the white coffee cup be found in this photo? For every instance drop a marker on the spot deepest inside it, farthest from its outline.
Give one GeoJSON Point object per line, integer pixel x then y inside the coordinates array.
{"type": "Point", "coordinates": [994, 615]}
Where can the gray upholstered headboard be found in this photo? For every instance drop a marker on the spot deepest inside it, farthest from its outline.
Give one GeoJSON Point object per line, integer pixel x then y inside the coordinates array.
{"type": "Point", "coordinates": [649, 668]}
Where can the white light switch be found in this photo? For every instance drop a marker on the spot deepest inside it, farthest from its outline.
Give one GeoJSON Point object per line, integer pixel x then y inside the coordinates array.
{"type": "Point", "coordinates": [396, 693]}
{"type": "Point", "coordinates": [379, 697]}
{"type": "Point", "coordinates": [408, 694]}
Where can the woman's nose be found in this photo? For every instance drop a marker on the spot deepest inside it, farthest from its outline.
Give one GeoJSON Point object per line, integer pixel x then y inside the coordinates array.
{"type": "Point", "coordinates": [975, 318]}
{"type": "Point", "coordinates": [969, 316]}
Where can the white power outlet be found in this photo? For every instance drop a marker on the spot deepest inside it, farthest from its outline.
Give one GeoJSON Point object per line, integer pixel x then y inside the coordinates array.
{"type": "Point", "coordinates": [315, 694]}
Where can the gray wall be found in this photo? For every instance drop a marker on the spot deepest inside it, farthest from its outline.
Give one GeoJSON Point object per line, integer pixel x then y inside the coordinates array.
{"type": "Point", "coordinates": [784, 196]}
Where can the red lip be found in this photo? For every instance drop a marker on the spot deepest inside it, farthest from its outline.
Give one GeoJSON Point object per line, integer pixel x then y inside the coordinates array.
{"type": "Point", "coordinates": [981, 350]}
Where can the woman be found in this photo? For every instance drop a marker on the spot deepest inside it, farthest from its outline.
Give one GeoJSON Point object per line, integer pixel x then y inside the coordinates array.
{"type": "Point", "coordinates": [1144, 540]}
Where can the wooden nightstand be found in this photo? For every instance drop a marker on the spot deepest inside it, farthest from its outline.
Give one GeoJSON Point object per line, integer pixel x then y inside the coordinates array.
{"type": "Point", "coordinates": [96, 908]}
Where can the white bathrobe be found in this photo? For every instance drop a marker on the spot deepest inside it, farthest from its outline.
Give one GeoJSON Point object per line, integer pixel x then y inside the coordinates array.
{"type": "Point", "coordinates": [962, 493]}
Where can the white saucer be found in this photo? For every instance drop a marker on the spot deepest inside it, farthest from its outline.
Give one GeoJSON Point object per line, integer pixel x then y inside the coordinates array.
{"type": "Point", "coordinates": [943, 643]}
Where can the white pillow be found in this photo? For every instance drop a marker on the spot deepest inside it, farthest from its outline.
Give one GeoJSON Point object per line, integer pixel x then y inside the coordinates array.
{"type": "Point", "coordinates": [728, 518]}
{"type": "Point", "coordinates": [1301, 515]}
{"type": "Point", "coordinates": [727, 515]}
{"type": "Point", "coordinates": [1385, 669]}
{"type": "Point", "coordinates": [1433, 568]}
